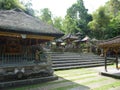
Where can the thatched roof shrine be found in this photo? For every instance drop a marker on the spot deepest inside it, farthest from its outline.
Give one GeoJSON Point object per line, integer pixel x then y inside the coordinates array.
{"type": "Point", "coordinates": [111, 43]}
{"type": "Point", "coordinates": [114, 45]}
{"type": "Point", "coordinates": [16, 21]}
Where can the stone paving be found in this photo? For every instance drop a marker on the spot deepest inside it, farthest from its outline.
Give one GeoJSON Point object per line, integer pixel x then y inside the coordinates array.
{"type": "Point", "coordinates": [116, 88]}
{"type": "Point", "coordinates": [80, 79]}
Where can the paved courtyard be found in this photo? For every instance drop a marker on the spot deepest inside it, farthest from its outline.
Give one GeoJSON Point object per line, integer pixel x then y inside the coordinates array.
{"type": "Point", "coordinates": [78, 79]}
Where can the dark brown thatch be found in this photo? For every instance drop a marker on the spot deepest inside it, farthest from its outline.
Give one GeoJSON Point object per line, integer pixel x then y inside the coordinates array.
{"type": "Point", "coordinates": [114, 42]}
{"type": "Point", "coordinates": [20, 22]}
{"type": "Point", "coordinates": [70, 36]}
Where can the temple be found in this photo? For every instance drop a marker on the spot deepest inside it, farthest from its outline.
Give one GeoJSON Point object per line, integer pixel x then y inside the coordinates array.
{"type": "Point", "coordinates": [20, 39]}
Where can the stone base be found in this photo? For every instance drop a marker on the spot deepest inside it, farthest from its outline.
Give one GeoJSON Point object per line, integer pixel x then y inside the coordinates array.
{"type": "Point", "coordinates": [27, 81]}
{"type": "Point", "coordinates": [111, 73]}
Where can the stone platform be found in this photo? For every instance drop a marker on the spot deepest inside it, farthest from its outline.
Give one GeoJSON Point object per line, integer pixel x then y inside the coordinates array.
{"type": "Point", "coordinates": [111, 73]}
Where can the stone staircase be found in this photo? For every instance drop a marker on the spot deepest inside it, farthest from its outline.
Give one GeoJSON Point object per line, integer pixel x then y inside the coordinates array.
{"type": "Point", "coordinates": [68, 60]}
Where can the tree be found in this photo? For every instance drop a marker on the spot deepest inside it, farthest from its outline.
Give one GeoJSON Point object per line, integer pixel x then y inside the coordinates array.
{"type": "Point", "coordinates": [79, 14]}
{"type": "Point", "coordinates": [10, 4]}
{"type": "Point", "coordinates": [113, 7]}
{"type": "Point", "coordinates": [72, 11]}
{"type": "Point", "coordinates": [28, 7]}
{"type": "Point", "coordinates": [72, 19]}
{"type": "Point", "coordinates": [84, 17]}
{"type": "Point", "coordinates": [113, 10]}
{"type": "Point", "coordinates": [100, 23]}
{"type": "Point", "coordinates": [13, 4]}
{"type": "Point", "coordinates": [58, 23]}
{"type": "Point", "coordinates": [69, 25]}
{"type": "Point", "coordinates": [46, 16]}
{"type": "Point", "coordinates": [114, 27]}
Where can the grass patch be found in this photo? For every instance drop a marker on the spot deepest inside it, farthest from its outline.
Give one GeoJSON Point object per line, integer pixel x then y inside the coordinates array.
{"type": "Point", "coordinates": [107, 87]}
{"type": "Point", "coordinates": [69, 70]}
{"type": "Point", "coordinates": [94, 81]}
{"type": "Point", "coordinates": [72, 70]}
{"type": "Point", "coordinates": [78, 84]}
{"type": "Point", "coordinates": [51, 83]}
{"type": "Point", "coordinates": [73, 74]}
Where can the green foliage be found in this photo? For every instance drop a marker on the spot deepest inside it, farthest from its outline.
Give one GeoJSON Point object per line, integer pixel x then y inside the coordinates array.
{"type": "Point", "coordinates": [13, 4]}
{"type": "Point", "coordinates": [82, 11]}
{"type": "Point", "coordinates": [28, 7]}
{"type": "Point", "coordinates": [69, 25]}
{"type": "Point", "coordinates": [72, 11]}
{"type": "Point", "coordinates": [10, 4]}
{"type": "Point", "coordinates": [113, 7]}
{"type": "Point", "coordinates": [106, 21]}
{"type": "Point", "coordinates": [46, 16]}
{"type": "Point", "coordinates": [78, 18]}
{"type": "Point", "coordinates": [114, 27]}
{"type": "Point", "coordinates": [58, 22]}
{"type": "Point", "coordinates": [99, 23]}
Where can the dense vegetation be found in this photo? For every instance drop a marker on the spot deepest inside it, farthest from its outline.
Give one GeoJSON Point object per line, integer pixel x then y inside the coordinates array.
{"type": "Point", "coordinates": [13, 4]}
{"type": "Point", "coordinates": [106, 20]}
{"type": "Point", "coordinates": [104, 23]}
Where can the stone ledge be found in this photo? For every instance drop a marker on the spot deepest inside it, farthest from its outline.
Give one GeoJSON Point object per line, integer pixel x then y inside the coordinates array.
{"type": "Point", "coordinates": [27, 82]}
{"type": "Point", "coordinates": [111, 73]}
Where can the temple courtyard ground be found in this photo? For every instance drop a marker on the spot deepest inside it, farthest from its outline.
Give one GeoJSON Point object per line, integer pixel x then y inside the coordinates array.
{"type": "Point", "coordinates": [79, 79]}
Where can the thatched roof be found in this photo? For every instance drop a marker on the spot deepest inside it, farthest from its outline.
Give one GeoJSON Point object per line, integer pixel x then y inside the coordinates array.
{"type": "Point", "coordinates": [70, 36]}
{"type": "Point", "coordinates": [77, 41]}
{"type": "Point", "coordinates": [113, 42]}
{"type": "Point", "coordinates": [20, 22]}
{"type": "Point", "coordinates": [86, 38]}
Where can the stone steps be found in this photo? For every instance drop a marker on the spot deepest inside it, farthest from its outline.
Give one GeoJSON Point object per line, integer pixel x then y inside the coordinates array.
{"type": "Point", "coordinates": [77, 66]}
{"type": "Point", "coordinates": [71, 61]}
{"type": "Point", "coordinates": [76, 60]}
